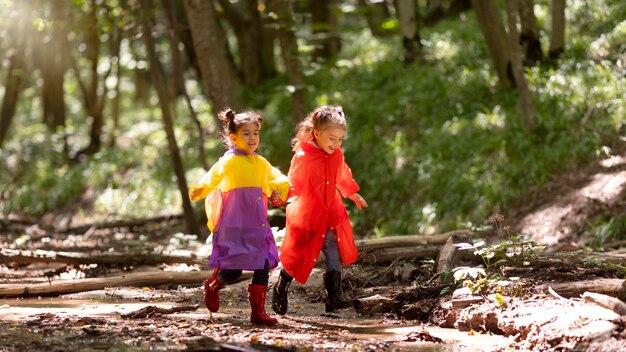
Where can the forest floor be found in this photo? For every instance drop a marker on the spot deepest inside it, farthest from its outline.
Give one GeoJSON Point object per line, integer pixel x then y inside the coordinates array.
{"type": "Point", "coordinates": [399, 306]}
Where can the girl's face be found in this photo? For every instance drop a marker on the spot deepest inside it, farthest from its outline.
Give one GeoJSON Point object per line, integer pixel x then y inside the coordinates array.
{"type": "Point", "coordinates": [329, 138]}
{"type": "Point", "coordinates": [247, 138]}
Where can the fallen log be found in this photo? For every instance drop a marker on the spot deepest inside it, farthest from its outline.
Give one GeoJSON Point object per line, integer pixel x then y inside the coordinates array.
{"type": "Point", "coordinates": [392, 248]}
{"type": "Point", "coordinates": [605, 301]}
{"type": "Point", "coordinates": [386, 255]}
{"type": "Point", "coordinates": [372, 244]}
{"type": "Point", "coordinates": [609, 287]}
{"type": "Point", "coordinates": [119, 224]}
{"type": "Point", "coordinates": [143, 279]}
{"type": "Point", "coordinates": [123, 259]}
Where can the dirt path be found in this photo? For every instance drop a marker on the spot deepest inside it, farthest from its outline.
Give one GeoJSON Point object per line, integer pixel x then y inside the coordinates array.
{"type": "Point", "coordinates": [93, 320]}
{"type": "Point", "coordinates": [558, 214]}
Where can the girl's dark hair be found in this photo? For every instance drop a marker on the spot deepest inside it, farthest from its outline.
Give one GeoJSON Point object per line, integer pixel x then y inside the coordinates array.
{"type": "Point", "coordinates": [232, 121]}
{"type": "Point", "coordinates": [320, 118]}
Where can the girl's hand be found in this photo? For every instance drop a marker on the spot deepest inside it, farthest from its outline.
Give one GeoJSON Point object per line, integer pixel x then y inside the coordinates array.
{"type": "Point", "coordinates": [359, 201]}
{"type": "Point", "coordinates": [195, 192]}
{"type": "Point", "coordinates": [275, 197]}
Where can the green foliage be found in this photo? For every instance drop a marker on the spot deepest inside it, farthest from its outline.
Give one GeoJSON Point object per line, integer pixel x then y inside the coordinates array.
{"type": "Point", "coordinates": [606, 230]}
{"type": "Point", "coordinates": [435, 145]}
{"type": "Point", "coordinates": [518, 250]}
{"type": "Point", "coordinates": [618, 270]}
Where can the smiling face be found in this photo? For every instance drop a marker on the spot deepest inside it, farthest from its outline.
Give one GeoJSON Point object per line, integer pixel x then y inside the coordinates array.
{"type": "Point", "coordinates": [329, 138]}
{"type": "Point", "coordinates": [247, 138]}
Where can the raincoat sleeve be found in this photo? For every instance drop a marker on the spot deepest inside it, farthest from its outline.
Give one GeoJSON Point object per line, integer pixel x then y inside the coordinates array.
{"type": "Point", "coordinates": [278, 183]}
{"type": "Point", "coordinates": [296, 175]}
{"type": "Point", "coordinates": [209, 182]}
{"type": "Point", "coordinates": [345, 183]}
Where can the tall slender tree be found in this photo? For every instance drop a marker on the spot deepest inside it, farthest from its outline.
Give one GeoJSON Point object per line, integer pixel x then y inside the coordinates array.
{"type": "Point", "coordinates": [159, 84]}
{"type": "Point", "coordinates": [407, 16]}
{"type": "Point", "coordinates": [438, 10]}
{"type": "Point", "coordinates": [218, 72]}
{"type": "Point", "coordinates": [324, 29]}
{"type": "Point", "coordinates": [15, 77]}
{"type": "Point", "coordinates": [528, 120]}
{"type": "Point", "coordinates": [51, 59]}
{"type": "Point", "coordinates": [177, 74]}
{"type": "Point", "coordinates": [490, 22]}
{"type": "Point", "coordinates": [94, 89]}
{"type": "Point", "coordinates": [280, 12]}
{"type": "Point", "coordinates": [255, 40]}
{"type": "Point", "coordinates": [557, 40]}
{"type": "Point", "coordinates": [529, 36]}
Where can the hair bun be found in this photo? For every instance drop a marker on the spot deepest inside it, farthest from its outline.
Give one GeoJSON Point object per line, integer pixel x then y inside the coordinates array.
{"type": "Point", "coordinates": [227, 115]}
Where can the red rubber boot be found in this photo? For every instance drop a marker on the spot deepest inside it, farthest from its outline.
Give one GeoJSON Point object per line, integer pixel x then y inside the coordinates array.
{"type": "Point", "coordinates": [256, 294]}
{"type": "Point", "coordinates": [211, 291]}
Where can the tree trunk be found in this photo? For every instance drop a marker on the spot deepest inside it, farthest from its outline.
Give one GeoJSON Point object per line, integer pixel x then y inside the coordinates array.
{"type": "Point", "coordinates": [490, 22]}
{"type": "Point", "coordinates": [376, 13]}
{"type": "Point", "coordinates": [184, 35]}
{"type": "Point", "coordinates": [528, 119]}
{"type": "Point", "coordinates": [291, 58]}
{"type": "Point", "coordinates": [251, 34]}
{"type": "Point", "coordinates": [16, 75]}
{"type": "Point", "coordinates": [115, 107]}
{"type": "Point", "coordinates": [529, 36]}
{"type": "Point", "coordinates": [166, 114]}
{"type": "Point", "coordinates": [93, 54]}
{"type": "Point", "coordinates": [323, 24]}
{"type": "Point", "coordinates": [141, 78]}
{"type": "Point", "coordinates": [439, 11]}
{"type": "Point", "coordinates": [172, 18]}
{"type": "Point", "coordinates": [407, 16]}
{"type": "Point", "coordinates": [177, 76]}
{"type": "Point", "coordinates": [94, 92]}
{"type": "Point", "coordinates": [209, 41]}
{"type": "Point", "coordinates": [557, 40]}
{"type": "Point", "coordinates": [52, 61]}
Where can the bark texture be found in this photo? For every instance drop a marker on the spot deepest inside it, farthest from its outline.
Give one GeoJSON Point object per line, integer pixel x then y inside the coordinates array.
{"type": "Point", "coordinates": [324, 22]}
{"type": "Point", "coordinates": [254, 38]}
{"type": "Point", "coordinates": [166, 113]}
{"type": "Point", "coordinates": [289, 52]}
{"type": "Point", "coordinates": [490, 22]}
{"type": "Point", "coordinates": [526, 108]}
{"type": "Point", "coordinates": [216, 66]}
{"type": "Point", "coordinates": [557, 40]}
{"type": "Point", "coordinates": [407, 16]}
{"type": "Point", "coordinates": [15, 77]}
{"type": "Point", "coordinates": [529, 36]}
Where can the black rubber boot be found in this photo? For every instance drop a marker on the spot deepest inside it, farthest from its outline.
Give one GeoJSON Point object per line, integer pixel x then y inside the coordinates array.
{"type": "Point", "coordinates": [279, 295]}
{"type": "Point", "coordinates": [336, 299]}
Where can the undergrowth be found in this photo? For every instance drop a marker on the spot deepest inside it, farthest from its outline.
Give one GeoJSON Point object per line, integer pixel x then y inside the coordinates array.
{"type": "Point", "coordinates": [434, 145]}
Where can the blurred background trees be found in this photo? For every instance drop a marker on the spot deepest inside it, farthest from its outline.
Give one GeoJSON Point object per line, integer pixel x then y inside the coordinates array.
{"type": "Point", "coordinates": [455, 107]}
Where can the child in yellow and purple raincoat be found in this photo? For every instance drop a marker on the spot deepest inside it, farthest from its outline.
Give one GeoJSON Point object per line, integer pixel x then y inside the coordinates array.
{"type": "Point", "coordinates": [236, 189]}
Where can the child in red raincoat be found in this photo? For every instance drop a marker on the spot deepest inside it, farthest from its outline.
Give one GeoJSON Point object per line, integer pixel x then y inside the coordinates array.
{"type": "Point", "coordinates": [236, 189]}
{"type": "Point", "coordinates": [317, 219]}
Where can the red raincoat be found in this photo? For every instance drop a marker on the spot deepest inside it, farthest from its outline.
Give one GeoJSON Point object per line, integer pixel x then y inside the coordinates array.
{"type": "Point", "coordinates": [317, 179]}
